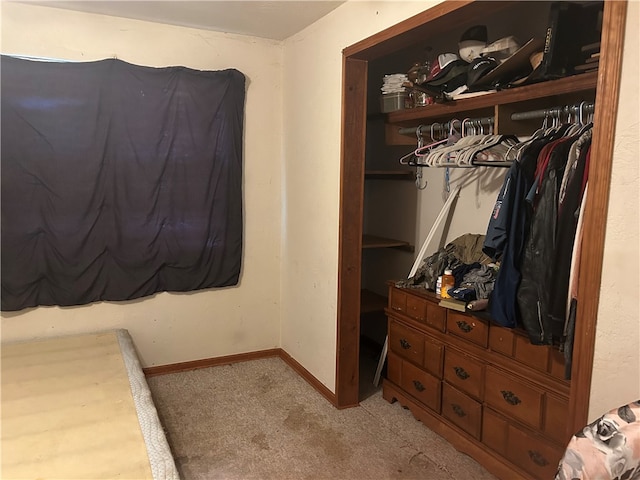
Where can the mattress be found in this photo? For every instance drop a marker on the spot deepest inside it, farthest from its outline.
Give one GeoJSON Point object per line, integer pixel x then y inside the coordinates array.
{"type": "Point", "coordinates": [79, 407]}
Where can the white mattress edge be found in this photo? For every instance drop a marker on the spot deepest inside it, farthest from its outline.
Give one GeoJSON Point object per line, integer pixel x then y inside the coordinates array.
{"type": "Point", "coordinates": [163, 466]}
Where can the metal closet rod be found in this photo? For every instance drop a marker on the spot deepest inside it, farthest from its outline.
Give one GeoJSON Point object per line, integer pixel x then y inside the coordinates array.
{"type": "Point", "coordinates": [549, 112]}
{"type": "Point", "coordinates": [426, 129]}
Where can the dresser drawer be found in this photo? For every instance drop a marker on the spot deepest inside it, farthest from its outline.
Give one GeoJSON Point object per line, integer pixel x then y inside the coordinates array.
{"type": "Point", "coordinates": [532, 453]}
{"type": "Point", "coordinates": [466, 373]}
{"type": "Point", "coordinates": [406, 342]}
{"type": "Point", "coordinates": [416, 307]}
{"type": "Point", "coordinates": [495, 431]}
{"type": "Point", "coordinates": [436, 316]}
{"type": "Point", "coordinates": [555, 419]}
{"type": "Point", "coordinates": [556, 364]}
{"type": "Point", "coordinates": [433, 356]}
{"type": "Point", "coordinates": [470, 328]}
{"type": "Point", "coordinates": [534, 356]}
{"type": "Point", "coordinates": [462, 410]}
{"type": "Point", "coordinates": [421, 385]}
{"type": "Point", "coordinates": [513, 397]}
{"type": "Point", "coordinates": [501, 340]}
{"type": "Point", "coordinates": [397, 300]}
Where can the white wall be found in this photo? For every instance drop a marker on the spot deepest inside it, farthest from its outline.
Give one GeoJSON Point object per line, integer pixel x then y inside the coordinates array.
{"type": "Point", "coordinates": [312, 112]}
{"type": "Point", "coordinates": [313, 73]}
{"type": "Point", "coordinates": [170, 328]}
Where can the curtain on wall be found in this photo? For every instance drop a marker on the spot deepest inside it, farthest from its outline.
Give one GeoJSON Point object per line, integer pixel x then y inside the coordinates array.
{"type": "Point", "coordinates": [118, 181]}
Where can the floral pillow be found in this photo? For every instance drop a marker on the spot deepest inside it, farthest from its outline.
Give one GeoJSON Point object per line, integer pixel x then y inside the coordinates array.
{"type": "Point", "coordinates": [607, 449]}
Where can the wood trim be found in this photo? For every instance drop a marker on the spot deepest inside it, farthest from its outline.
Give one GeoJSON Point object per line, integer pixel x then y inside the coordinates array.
{"type": "Point", "coordinates": [414, 29]}
{"type": "Point", "coordinates": [210, 362]}
{"type": "Point", "coordinates": [311, 380]}
{"type": "Point", "coordinates": [596, 209]}
{"type": "Point", "coordinates": [244, 357]}
{"type": "Point", "coordinates": [354, 114]}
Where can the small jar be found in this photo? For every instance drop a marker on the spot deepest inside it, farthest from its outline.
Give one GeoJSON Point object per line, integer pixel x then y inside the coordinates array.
{"type": "Point", "coordinates": [448, 282]}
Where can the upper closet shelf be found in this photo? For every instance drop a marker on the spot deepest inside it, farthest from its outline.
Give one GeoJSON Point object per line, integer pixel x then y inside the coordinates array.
{"type": "Point", "coordinates": [573, 84]}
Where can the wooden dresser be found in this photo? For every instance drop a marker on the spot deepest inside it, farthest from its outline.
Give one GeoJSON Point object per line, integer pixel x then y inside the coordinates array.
{"type": "Point", "coordinates": [485, 388]}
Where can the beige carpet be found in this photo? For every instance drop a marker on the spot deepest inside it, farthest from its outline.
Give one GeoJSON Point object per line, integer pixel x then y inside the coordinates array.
{"type": "Point", "coordinates": [260, 420]}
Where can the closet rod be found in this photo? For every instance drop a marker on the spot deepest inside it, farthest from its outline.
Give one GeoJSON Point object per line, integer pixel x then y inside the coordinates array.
{"type": "Point", "coordinates": [426, 129]}
{"type": "Point", "coordinates": [548, 112]}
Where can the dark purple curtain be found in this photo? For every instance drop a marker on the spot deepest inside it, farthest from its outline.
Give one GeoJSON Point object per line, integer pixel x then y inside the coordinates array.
{"type": "Point", "coordinates": [118, 181]}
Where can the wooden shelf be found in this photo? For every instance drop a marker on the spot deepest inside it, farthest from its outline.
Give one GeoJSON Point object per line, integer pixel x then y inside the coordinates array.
{"type": "Point", "coordinates": [389, 175]}
{"type": "Point", "coordinates": [372, 302]}
{"type": "Point", "coordinates": [373, 241]}
{"type": "Point", "coordinates": [573, 84]}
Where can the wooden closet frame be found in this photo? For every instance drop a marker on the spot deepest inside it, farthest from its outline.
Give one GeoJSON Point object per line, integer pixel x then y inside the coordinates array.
{"type": "Point", "coordinates": [354, 115]}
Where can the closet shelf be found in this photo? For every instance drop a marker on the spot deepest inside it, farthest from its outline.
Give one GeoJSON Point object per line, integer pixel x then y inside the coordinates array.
{"type": "Point", "coordinates": [372, 302]}
{"type": "Point", "coordinates": [390, 175]}
{"type": "Point", "coordinates": [486, 103]}
{"type": "Point", "coordinates": [373, 241]}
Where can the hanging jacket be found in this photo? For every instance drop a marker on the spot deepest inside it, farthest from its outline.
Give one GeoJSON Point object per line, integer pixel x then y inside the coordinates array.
{"type": "Point", "coordinates": [506, 235]}
{"type": "Point", "coordinates": [537, 261]}
{"type": "Point", "coordinates": [568, 210]}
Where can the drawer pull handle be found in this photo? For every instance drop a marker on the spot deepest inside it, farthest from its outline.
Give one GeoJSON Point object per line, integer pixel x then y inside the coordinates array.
{"type": "Point", "coordinates": [464, 326]}
{"type": "Point", "coordinates": [457, 409]}
{"type": "Point", "coordinates": [395, 307]}
{"type": "Point", "coordinates": [404, 344]}
{"type": "Point", "coordinates": [461, 373]}
{"type": "Point", "coordinates": [537, 458]}
{"type": "Point", "coordinates": [418, 386]}
{"type": "Point", "coordinates": [510, 397]}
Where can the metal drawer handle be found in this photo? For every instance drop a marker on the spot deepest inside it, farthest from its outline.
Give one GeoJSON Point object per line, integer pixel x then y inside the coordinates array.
{"type": "Point", "coordinates": [457, 409]}
{"type": "Point", "coordinates": [395, 307]}
{"type": "Point", "coordinates": [510, 397]}
{"type": "Point", "coordinates": [537, 458]}
{"type": "Point", "coordinates": [404, 344]}
{"type": "Point", "coordinates": [464, 326]}
{"type": "Point", "coordinates": [461, 373]}
{"type": "Point", "coordinates": [418, 386]}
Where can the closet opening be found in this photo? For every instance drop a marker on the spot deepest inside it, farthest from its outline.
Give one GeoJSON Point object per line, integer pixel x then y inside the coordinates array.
{"type": "Point", "coordinates": [360, 267]}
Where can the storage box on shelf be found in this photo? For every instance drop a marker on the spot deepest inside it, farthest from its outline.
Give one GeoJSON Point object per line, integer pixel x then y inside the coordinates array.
{"type": "Point", "coordinates": [483, 387]}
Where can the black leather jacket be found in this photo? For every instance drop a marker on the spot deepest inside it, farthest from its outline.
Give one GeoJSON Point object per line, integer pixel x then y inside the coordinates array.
{"type": "Point", "coordinates": [537, 266]}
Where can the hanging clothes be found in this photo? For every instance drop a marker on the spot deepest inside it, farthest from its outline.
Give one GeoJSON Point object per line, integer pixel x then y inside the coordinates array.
{"type": "Point", "coordinates": [532, 230]}
{"type": "Point", "coordinates": [570, 199]}
{"type": "Point", "coordinates": [536, 267]}
{"type": "Point", "coordinates": [507, 230]}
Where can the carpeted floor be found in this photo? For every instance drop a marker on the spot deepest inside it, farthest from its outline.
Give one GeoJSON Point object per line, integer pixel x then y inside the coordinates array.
{"type": "Point", "coordinates": [260, 420]}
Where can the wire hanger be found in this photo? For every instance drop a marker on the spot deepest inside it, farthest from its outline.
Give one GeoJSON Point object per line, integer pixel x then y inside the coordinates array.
{"type": "Point", "coordinates": [419, 184]}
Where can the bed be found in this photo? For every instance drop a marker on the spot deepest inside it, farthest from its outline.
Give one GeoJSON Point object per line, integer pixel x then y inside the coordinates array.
{"type": "Point", "coordinates": [78, 407]}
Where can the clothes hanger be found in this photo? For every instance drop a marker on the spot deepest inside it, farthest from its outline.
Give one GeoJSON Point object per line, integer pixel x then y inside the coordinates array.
{"type": "Point", "coordinates": [515, 153]}
{"type": "Point", "coordinates": [443, 155]}
{"type": "Point", "coordinates": [409, 158]}
{"type": "Point", "coordinates": [460, 154]}
{"type": "Point", "coordinates": [419, 184]}
{"type": "Point", "coordinates": [422, 152]}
